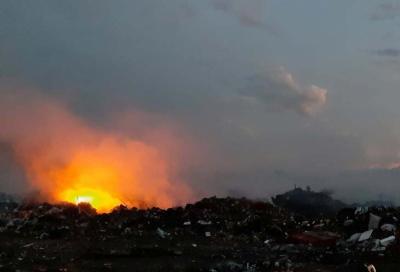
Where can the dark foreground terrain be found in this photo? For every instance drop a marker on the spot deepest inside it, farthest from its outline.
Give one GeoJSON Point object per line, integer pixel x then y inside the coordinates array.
{"type": "Point", "coordinates": [214, 234]}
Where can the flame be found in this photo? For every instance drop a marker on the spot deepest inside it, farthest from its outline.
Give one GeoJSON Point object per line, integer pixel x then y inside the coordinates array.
{"type": "Point", "coordinates": [100, 200]}
{"type": "Point", "coordinates": [89, 182]}
{"type": "Point", "coordinates": [69, 160]}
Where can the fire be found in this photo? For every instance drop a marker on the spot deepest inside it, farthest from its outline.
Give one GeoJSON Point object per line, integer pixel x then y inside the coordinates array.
{"type": "Point", "coordinates": [98, 199]}
{"type": "Point", "coordinates": [87, 179]}
{"type": "Point", "coordinates": [112, 172]}
{"type": "Point", "coordinates": [70, 160]}
{"type": "Point", "coordinates": [80, 199]}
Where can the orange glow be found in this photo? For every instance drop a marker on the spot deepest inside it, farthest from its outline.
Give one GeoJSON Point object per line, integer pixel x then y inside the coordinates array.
{"type": "Point", "coordinates": [100, 200]}
{"type": "Point", "coordinates": [89, 181]}
{"type": "Point", "coordinates": [113, 173]}
{"type": "Point", "coordinates": [68, 160]}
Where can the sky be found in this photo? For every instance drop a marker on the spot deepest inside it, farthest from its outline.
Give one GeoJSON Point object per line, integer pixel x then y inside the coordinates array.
{"type": "Point", "coordinates": [278, 92]}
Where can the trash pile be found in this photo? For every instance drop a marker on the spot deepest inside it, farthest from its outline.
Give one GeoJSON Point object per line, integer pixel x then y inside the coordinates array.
{"type": "Point", "coordinates": [214, 234]}
{"type": "Point", "coordinates": [372, 230]}
{"type": "Point", "coordinates": [309, 202]}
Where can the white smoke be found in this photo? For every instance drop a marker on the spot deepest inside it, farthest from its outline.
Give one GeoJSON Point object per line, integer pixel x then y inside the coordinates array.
{"type": "Point", "coordinates": [279, 90]}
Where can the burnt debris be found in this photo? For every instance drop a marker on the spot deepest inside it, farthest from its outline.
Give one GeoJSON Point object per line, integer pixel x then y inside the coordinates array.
{"type": "Point", "coordinates": [214, 234]}
{"type": "Point", "coordinates": [308, 202]}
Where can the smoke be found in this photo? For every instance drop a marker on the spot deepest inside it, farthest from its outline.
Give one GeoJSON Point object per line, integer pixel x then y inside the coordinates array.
{"type": "Point", "coordinates": [386, 11]}
{"type": "Point", "coordinates": [65, 157]}
{"type": "Point", "coordinates": [249, 13]}
{"type": "Point", "coordinates": [388, 52]}
{"type": "Point", "coordinates": [279, 90]}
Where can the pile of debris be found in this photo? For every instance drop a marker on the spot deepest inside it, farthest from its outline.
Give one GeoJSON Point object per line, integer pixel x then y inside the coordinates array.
{"type": "Point", "coordinates": [308, 202]}
{"type": "Point", "coordinates": [214, 234]}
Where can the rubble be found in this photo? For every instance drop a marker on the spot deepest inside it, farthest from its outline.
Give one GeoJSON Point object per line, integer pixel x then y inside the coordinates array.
{"type": "Point", "coordinates": [214, 234]}
{"type": "Point", "coordinates": [308, 202]}
{"type": "Point", "coordinates": [365, 235]}
{"type": "Point", "coordinates": [161, 233]}
{"type": "Point", "coordinates": [388, 227]}
{"type": "Point", "coordinates": [373, 221]}
{"type": "Point", "coordinates": [321, 238]}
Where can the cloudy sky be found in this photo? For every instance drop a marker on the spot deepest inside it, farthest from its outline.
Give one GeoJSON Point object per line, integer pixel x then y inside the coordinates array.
{"type": "Point", "coordinates": [280, 92]}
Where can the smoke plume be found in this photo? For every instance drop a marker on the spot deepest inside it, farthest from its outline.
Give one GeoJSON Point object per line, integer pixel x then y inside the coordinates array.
{"type": "Point", "coordinates": [279, 90]}
{"type": "Point", "coordinates": [70, 159]}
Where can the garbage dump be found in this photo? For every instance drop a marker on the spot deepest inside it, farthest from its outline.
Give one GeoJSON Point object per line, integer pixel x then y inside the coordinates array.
{"type": "Point", "coordinates": [213, 234]}
{"type": "Point", "coordinates": [309, 202]}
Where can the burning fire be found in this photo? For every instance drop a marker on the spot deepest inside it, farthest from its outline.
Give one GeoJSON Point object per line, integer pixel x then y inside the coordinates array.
{"type": "Point", "coordinates": [100, 200]}
{"type": "Point", "coordinates": [68, 160]}
{"type": "Point", "coordinates": [89, 179]}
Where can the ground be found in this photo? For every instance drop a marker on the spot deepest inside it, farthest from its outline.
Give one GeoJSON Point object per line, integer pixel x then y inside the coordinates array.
{"type": "Point", "coordinates": [210, 235]}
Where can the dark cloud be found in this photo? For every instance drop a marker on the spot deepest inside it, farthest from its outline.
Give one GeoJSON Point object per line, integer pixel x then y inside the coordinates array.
{"type": "Point", "coordinates": [251, 13]}
{"type": "Point", "coordinates": [279, 90]}
{"type": "Point", "coordinates": [386, 11]}
{"type": "Point", "coordinates": [183, 60]}
{"type": "Point", "coordinates": [388, 52]}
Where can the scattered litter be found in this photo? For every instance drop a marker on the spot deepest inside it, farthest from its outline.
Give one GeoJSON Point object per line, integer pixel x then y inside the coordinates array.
{"type": "Point", "coordinates": [388, 240]}
{"type": "Point", "coordinates": [246, 236]}
{"type": "Point", "coordinates": [161, 233]}
{"type": "Point", "coordinates": [388, 227]}
{"type": "Point", "coordinates": [371, 268]}
{"type": "Point", "coordinates": [323, 238]}
{"type": "Point", "coordinates": [354, 238]}
{"type": "Point", "coordinates": [204, 223]}
{"type": "Point", "coordinates": [374, 221]}
{"type": "Point", "coordinates": [365, 235]}
{"type": "Point", "coordinates": [28, 245]}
